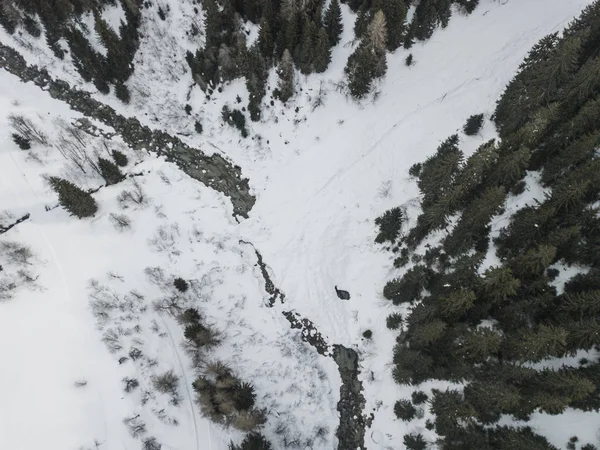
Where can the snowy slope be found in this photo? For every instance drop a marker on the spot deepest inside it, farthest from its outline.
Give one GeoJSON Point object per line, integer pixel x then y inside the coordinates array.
{"type": "Point", "coordinates": [321, 175]}
{"type": "Point", "coordinates": [186, 230]}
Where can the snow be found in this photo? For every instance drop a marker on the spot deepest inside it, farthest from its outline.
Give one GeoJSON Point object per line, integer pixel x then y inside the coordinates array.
{"type": "Point", "coordinates": [321, 175]}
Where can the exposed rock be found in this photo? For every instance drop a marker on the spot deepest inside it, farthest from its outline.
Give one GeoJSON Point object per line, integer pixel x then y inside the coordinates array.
{"type": "Point", "coordinates": [351, 430]}
{"type": "Point", "coordinates": [214, 171]}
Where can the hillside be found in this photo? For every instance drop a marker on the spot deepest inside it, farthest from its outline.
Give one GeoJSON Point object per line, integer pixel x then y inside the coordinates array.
{"type": "Point", "coordinates": [209, 251]}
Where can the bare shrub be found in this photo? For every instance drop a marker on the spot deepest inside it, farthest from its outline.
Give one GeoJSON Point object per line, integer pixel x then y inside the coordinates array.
{"type": "Point", "coordinates": [170, 305]}
{"type": "Point", "coordinates": [249, 420]}
{"type": "Point", "coordinates": [135, 425]}
{"type": "Point", "coordinates": [165, 238]}
{"type": "Point", "coordinates": [130, 384]}
{"type": "Point", "coordinates": [121, 222]}
{"type": "Point", "coordinates": [112, 339]}
{"type": "Point", "coordinates": [16, 253]}
{"type": "Point", "coordinates": [167, 383]}
{"type": "Point", "coordinates": [151, 444]}
{"type": "Point", "coordinates": [155, 275]}
{"type": "Point", "coordinates": [73, 144]}
{"type": "Point", "coordinates": [80, 383]}
{"type": "Point", "coordinates": [27, 129]}
{"type": "Point", "coordinates": [135, 195]}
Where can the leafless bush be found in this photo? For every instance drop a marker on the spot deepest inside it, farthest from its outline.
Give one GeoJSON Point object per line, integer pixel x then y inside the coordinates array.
{"type": "Point", "coordinates": [135, 195]}
{"type": "Point", "coordinates": [135, 353]}
{"type": "Point", "coordinates": [170, 305]}
{"type": "Point", "coordinates": [319, 100]}
{"type": "Point", "coordinates": [151, 444]}
{"type": "Point", "coordinates": [249, 420]}
{"type": "Point", "coordinates": [130, 384]}
{"type": "Point", "coordinates": [26, 128]}
{"type": "Point", "coordinates": [155, 275]}
{"type": "Point", "coordinates": [7, 288]}
{"type": "Point", "coordinates": [73, 144]}
{"type": "Point", "coordinates": [165, 238]}
{"type": "Point", "coordinates": [167, 383]}
{"type": "Point", "coordinates": [112, 339]}
{"type": "Point", "coordinates": [120, 221]}
{"type": "Point", "coordinates": [16, 253]}
{"type": "Point", "coordinates": [135, 425]}
{"type": "Point", "coordinates": [80, 383]}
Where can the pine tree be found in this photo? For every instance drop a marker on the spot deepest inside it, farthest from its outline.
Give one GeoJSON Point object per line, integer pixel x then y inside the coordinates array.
{"type": "Point", "coordinates": [534, 261]}
{"type": "Point", "coordinates": [534, 345]}
{"type": "Point", "coordinates": [293, 32]}
{"type": "Point", "coordinates": [455, 304]}
{"type": "Point", "coordinates": [78, 202]}
{"type": "Point", "coordinates": [490, 400]}
{"type": "Point", "coordinates": [309, 35]}
{"type": "Point", "coordinates": [478, 345]}
{"type": "Point", "coordinates": [499, 284]}
{"type": "Point", "coordinates": [333, 22]}
{"type": "Point", "coordinates": [265, 39]}
{"type": "Point", "coordinates": [286, 73]}
{"type": "Point", "coordinates": [389, 225]}
{"type": "Point", "coordinates": [473, 125]}
{"type": "Point", "coordinates": [118, 61]}
{"type": "Point", "coordinates": [322, 55]}
{"type": "Point", "coordinates": [120, 158]}
{"type": "Point", "coordinates": [584, 334]}
{"type": "Point", "coordinates": [368, 60]}
{"type": "Point", "coordinates": [252, 441]}
{"type": "Point", "coordinates": [377, 32]}
{"type": "Point", "coordinates": [395, 16]}
{"type": "Point", "coordinates": [427, 333]}
{"type": "Point", "coordinates": [110, 171]}
{"type": "Point", "coordinates": [450, 408]}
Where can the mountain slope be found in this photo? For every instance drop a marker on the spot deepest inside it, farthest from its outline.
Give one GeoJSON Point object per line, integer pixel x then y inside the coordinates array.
{"type": "Point", "coordinates": [320, 175]}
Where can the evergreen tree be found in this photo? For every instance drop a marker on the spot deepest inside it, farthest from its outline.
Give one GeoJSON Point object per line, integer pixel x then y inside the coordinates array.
{"type": "Point", "coordinates": [395, 16]}
{"type": "Point", "coordinates": [409, 287]}
{"type": "Point", "coordinates": [252, 441]}
{"type": "Point", "coordinates": [333, 22]}
{"type": "Point", "coordinates": [122, 93]}
{"type": "Point", "coordinates": [428, 333]}
{"type": "Point", "coordinates": [414, 442]}
{"type": "Point", "coordinates": [265, 39]}
{"type": "Point", "coordinates": [377, 33]}
{"type": "Point", "coordinates": [120, 158]}
{"type": "Point", "coordinates": [535, 345]}
{"type": "Point", "coordinates": [534, 261]}
{"type": "Point", "coordinates": [404, 410]}
{"type": "Point", "coordinates": [473, 125]}
{"type": "Point", "coordinates": [584, 334]}
{"type": "Point", "coordinates": [23, 142]}
{"type": "Point", "coordinates": [490, 400]}
{"type": "Point", "coordinates": [368, 60]}
{"type": "Point", "coordinates": [450, 408]}
{"type": "Point", "coordinates": [479, 344]}
{"type": "Point", "coordinates": [286, 73]}
{"type": "Point", "coordinates": [293, 33]}
{"type": "Point", "coordinates": [322, 55]}
{"type": "Point", "coordinates": [110, 171]}
{"type": "Point", "coordinates": [75, 200]}
{"type": "Point", "coordinates": [309, 35]}
{"type": "Point", "coordinates": [118, 61]}
{"type": "Point", "coordinates": [452, 306]}
{"type": "Point", "coordinates": [499, 284]}
{"type": "Point", "coordinates": [389, 225]}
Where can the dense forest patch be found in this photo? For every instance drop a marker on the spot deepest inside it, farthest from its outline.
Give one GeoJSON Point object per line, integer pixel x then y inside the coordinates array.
{"type": "Point", "coordinates": [485, 325]}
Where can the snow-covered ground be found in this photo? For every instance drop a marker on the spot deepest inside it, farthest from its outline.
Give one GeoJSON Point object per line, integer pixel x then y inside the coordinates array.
{"type": "Point", "coordinates": [321, 175]}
